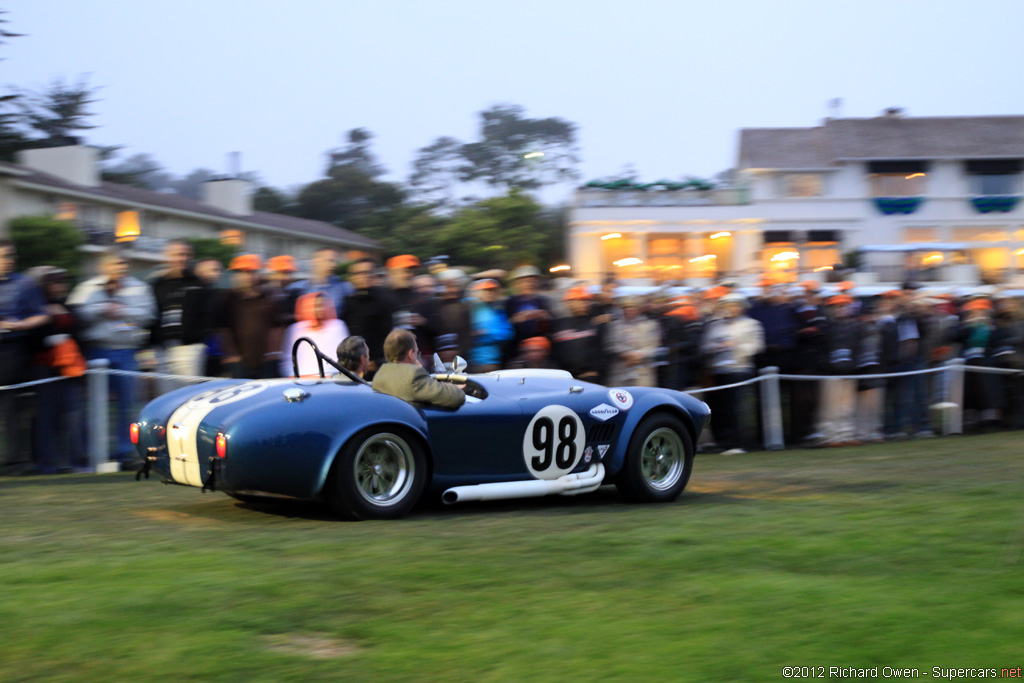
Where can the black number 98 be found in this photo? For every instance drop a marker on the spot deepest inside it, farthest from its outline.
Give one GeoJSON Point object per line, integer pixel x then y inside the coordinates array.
{"type": "Point", "coordinates": [564, 453]}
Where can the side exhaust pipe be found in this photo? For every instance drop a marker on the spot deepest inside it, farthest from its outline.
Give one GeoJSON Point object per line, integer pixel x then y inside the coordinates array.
{"type": "Point", "coordinates": [568, 485]}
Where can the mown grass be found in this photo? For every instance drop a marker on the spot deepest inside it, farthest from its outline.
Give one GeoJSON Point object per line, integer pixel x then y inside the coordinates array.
{"type": "Point", "coordinates": [894, 555]}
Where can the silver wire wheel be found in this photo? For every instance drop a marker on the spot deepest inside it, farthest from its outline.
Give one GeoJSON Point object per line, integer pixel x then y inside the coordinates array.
{"type": "Point", "coordinates": [384, 469]}
{"type": "Point", "coordinates": [662, 459]}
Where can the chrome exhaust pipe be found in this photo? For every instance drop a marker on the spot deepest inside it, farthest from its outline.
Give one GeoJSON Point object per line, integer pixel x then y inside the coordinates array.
{"type": "Point", "coordinates": [567, 485]}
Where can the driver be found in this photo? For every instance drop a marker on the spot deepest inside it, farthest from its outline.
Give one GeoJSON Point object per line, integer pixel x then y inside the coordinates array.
{"type": "Point", "coordinates": [404, 377]}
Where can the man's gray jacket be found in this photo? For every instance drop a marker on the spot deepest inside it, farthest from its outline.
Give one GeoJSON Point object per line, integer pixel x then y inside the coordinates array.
{"type": "Point", "coordinates": [412, 383]}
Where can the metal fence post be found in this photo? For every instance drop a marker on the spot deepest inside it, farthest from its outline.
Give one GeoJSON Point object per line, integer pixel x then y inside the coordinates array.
{"type": "Point", "coordinates": [955, 395]}
{"type": "Point", "coordinates": [771, 409]}
{"type": "Point", "coordinates": [98, 414]}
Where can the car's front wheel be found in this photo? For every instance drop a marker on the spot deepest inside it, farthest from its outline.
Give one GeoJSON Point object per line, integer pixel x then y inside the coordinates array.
{"type": "Point", "coordinates": [379, 474]}
{"type": "Point", "coordinates": [659, 461]}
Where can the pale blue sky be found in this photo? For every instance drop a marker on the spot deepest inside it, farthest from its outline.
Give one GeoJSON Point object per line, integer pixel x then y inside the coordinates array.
{"type": "Point", "coordinates": [662, 85]}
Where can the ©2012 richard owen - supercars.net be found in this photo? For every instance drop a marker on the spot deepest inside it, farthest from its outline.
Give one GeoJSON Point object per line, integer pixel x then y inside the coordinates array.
{"type": "Point", "coordinates": [521, 433]}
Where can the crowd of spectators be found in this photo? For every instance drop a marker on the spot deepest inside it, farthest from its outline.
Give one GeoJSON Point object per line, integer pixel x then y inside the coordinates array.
{"type": "Point", "coordinates": [182, 321]}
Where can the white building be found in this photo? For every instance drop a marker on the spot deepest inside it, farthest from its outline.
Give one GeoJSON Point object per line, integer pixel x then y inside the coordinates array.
{"type": "Point", "coordinates": [65, 182]}
{"type": "Point", "coordinates": [930, 199]}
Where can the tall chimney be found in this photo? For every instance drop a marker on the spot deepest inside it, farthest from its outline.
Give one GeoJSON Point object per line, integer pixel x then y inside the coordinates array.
{"type": "Point", "coordinates": [78, 164]}
{"type": "Point", "coordinates": [228, 194]}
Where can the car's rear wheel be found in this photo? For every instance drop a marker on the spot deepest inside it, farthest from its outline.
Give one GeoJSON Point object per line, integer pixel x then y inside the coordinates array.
{"type": "Point", "coordinates": [659, 461]}
{"type": "Point", "coordinates": [379, 474]}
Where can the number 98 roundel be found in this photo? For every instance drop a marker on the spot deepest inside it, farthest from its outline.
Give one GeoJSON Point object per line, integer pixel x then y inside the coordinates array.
{"type": "Point", "coordinates": [553, 443]}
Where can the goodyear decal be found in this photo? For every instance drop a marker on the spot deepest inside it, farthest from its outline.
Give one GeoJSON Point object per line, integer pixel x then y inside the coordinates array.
{"type": "Point", "coordinates": [604, 412]}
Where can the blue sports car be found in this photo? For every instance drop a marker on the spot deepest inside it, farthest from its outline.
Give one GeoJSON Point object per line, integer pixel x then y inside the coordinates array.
{"type": "Point", "coordinates": [521, 433]}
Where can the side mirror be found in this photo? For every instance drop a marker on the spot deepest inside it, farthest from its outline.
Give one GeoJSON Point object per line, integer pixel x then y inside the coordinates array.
{"type": "Point", "coordinates": [439, 367]}
{"type": "Point", "coordinates": [460, 365]}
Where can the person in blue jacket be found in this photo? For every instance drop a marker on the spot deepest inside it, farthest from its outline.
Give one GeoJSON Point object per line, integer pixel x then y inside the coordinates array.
{"type": "Point", "coordinates": [490, 326]}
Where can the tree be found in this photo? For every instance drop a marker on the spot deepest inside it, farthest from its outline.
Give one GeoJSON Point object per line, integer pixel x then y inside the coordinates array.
{"type": "Point", "coordinates": [408, 229]}
{"type": "Point", "coordinates": [501, 157]}
{"type": "Point", "coordinates": [356, 155]}
{"type": "Point", "coordinates": [438, 170]}
{"type": "Point", "coordinates": [210, 247]}
{"type": "Point", "coordinates": [273, 201]}
{"type": "Point", "coordinates": [501, 232]}
{"type": "Point", "coordinates": [4, 33]}
{"type": "Point", "coordinates": [349, 199]}
{"type": "Point", "coordinates": [46, 241]}
{"type": "Point", "coordinates": [11, 138]}
{"type": "Point", "coordinates": [58, 112]}
{"type": "Point", "coordinates": [139, 170]}
{"type": "Point", "coordinates": [352, 196]}
{"type": "Point", "coordinates": [513, 151]}
{"type": "Point", "coordinates": [191, 185]}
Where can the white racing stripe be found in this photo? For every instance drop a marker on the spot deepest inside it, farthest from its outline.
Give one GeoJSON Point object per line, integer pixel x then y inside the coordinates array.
{"type": "Point", "coordinates": [183, 426]}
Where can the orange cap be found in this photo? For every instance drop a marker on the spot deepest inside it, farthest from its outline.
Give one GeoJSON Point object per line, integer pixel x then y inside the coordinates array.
{"type": "Point", "coordinates": [574, 293]}
{"type": "Point", "coordinates": [846, 285]}
{"type": "Point", "coordinates": [840, 300]}
{"type": "Point", "coordinates": [403, 261]}
{"type": "Point", "coordinates": [978, 305]}
{"type": "Point", "coordinates": [536, 343]}
{"type": "Point", "coordinates": [686, 312]}
{"type": "Point", "coordinates": [486, 283]}
{"type": "Point", "coordinates": [246, 262]}
{"type": "Point", "coordinates": [282, 264]}
{"type": "Point", "coordinates": [716, 292]}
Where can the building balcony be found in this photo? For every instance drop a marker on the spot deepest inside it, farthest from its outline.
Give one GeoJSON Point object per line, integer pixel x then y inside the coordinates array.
{"type": "Point", "coordinates": [995, 203]}
{"type": "Point", "coordinates": [898, 205]}
{"type": "Point", "coordinates": [738, 196]}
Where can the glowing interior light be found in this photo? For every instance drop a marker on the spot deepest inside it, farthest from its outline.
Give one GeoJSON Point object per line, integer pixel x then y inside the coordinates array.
{"type": "Point", "coordinates": [915, 175]}
{"type": "Point", "coordinates": [934, 258]}
{"type": "Point", "coordinates": [786, 256]}
{"type": "Point", "coordinates": [1019, 252]}
{"type": "Point", "coordinates": [555, 269]}
{"type": "Point", "coordinates": [703, 259]}
{"type": "Point", "coordinates": [721, 234]}
{"type": "Point", "coordinates": [632, 261]}
{"type": "Point", "coordinates": [611, 236]}
{"type": "Point", "coordinates": [533, 155]}
{"type": "Point", "coordinates": [818, 270]}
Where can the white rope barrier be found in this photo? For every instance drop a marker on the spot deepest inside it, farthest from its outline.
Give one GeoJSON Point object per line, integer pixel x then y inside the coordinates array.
{"type": "Point", "coordinates": [35, 383]}
{"type": "Point", "coordinates": [158, 375]}
{"type": "Point", "coordinates": [879, 375]}
{"type": "Point", "coordinates": [752, 380]}
{"type": "Point", "coordinates": [993, 371]}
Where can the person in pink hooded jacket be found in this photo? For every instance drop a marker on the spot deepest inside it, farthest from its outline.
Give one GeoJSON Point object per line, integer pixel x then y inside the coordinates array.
{"type": "Point", "coordinates": [314, 318]}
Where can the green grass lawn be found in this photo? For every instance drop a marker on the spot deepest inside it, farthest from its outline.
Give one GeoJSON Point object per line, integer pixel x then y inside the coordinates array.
{"type": "Point", "coordinates": [904, 555]}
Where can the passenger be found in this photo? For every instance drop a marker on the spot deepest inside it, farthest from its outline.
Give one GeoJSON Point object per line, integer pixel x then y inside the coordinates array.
{"type": "Point", "coordinates": [404, 377]}
{"type": "Point", "coordinates": [354, 355]}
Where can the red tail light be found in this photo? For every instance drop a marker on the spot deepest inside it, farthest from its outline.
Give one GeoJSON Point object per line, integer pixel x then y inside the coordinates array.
{"type": "Point", "coordinates": [161, 431]}
{"type": "Point", "coordinates": [133, 432]}
{"type": "Point", "coordinates": [222, 446]}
